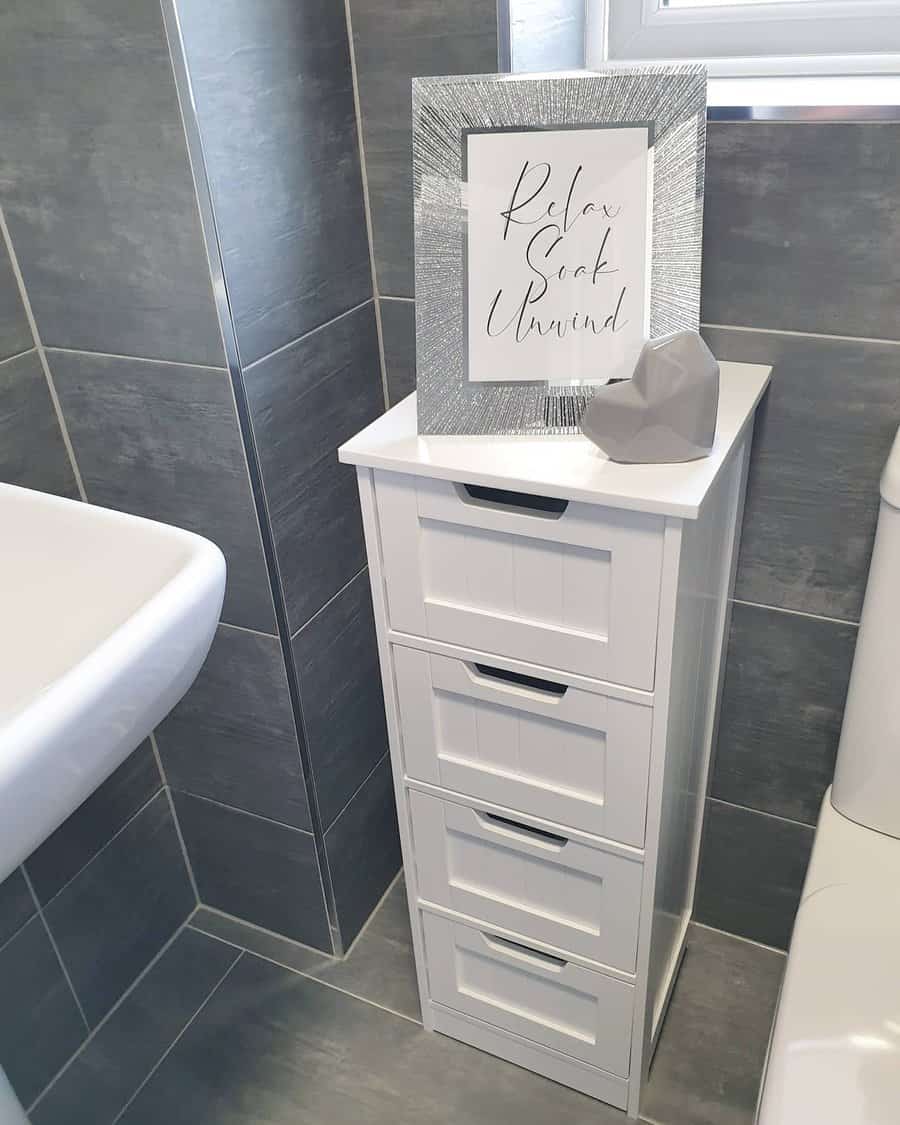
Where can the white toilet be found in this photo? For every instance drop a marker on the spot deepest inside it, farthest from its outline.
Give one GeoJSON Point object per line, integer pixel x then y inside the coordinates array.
{"type": "Point", "coordinates": [834, 1058]}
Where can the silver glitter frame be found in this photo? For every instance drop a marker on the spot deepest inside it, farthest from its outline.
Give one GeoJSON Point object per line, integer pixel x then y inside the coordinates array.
{"type": "Point", "coordinates": [671, 97]}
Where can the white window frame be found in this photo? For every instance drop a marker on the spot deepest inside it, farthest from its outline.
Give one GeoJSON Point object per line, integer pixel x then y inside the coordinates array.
{"type": "Point", "coordinates": [834, 37]}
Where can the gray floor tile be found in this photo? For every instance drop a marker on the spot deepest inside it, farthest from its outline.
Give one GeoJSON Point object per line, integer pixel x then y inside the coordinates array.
{"type": "Point", "coordinates": [94, 823]}
{"type": "Point", "coordinates": [232, 738]}
{"type": "Point", "coordinates": [752, 868]}
{"type": "Point", "coordinates": [15, 332]}
{"type": "Point", "coordinates": [32, 451]}
{"type": "Point", "coordinates": [16, 905]}
{"type": "Point", "coordinates": [398, 328]}
{"type": "Point", "coordinates": [277, 1047]}
{"type": "Point", "coordinates": [101, 1079]}
{"type": "Point", "coordinates": [40, 1026]}
{"type": "Point", "coordinates": [97, 186]}
{"type": "Point", "coordinates": [120, 910]}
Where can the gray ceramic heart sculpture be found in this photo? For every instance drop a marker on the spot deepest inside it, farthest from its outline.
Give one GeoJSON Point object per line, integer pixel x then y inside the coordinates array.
{"type": "Point", "coordinates": [666, 412]}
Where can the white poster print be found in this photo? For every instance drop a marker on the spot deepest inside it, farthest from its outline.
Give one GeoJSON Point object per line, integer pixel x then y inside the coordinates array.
{"type": "Point", "coordinates": [557, 247]}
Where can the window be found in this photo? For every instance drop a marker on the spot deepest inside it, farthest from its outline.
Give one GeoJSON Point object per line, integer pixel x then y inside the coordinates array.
{"type": "Point", "coordinates": [752, 37]}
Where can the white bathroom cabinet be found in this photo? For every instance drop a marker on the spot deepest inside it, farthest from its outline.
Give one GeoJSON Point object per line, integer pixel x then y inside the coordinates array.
{"type": "Point", "coordinates": [551, 629]}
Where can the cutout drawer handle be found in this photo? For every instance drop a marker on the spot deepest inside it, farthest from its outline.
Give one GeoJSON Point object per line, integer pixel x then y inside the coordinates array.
{"type": "Point", "coordinates": [524, 952]}
{"type": "Point", "coordinates": [519, 679]}
{"type": "Point", "coordinates": [549, 507]}
{"type": "Point", "coordinates": [526, 831]}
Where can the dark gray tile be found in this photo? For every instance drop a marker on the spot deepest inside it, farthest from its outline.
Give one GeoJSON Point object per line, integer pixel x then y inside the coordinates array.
{"type": "Point", "coordinates": [16, 904]}
{"type": "Point", "coordinates": [394, 42]}
{"type": "Point", "coordinates": [117, 914]}
{"type": "Point", "coordinates": [15, 332]}
{"type": "Point", "coordinates": [822, 436]}
{"type": "Point", "coordinates": [786, 682]}
{"type": "Point", "coordinates": [363, 848]}
{"type": "Point", "coordinates": [32, 451]}
{"type": "Point", "coordinates": [752, 868]}
{"type": "Point", "coordinates": [94, 823]}
{"type": "Point", "coordinates": [398, 330]}
{"type": "Point", "coordinates": [336, 1060]}
{"type": "Point", "coordinates": [380, 967]}
{"type": "Point", "coordinates": [801, 229]}
{"type": "Point", "coordinates": [709, 1061]}
{"type": "Point", "coordinates": [96, 182]}
{"type": "Point", "coordinates": [40, 1026]}
{"type": "Point", "coordinates": [232, 738]}
{"type": "Point", "coordinates": [305, 401]}
{"type": "Point", "coordinates": [340, 687]}
{"type": "Point", "coordinates": [162, 441]}
{"type": "Point", "coordinates": [255, 869]}
{"type": "Point", "coordinates": [274, 99]}
{"type": "Point", "coordinates": [98, 1083]}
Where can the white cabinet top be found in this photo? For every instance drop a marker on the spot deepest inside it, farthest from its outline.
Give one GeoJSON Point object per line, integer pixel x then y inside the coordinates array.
{"type": "Point", "coordinates": [568, 467]}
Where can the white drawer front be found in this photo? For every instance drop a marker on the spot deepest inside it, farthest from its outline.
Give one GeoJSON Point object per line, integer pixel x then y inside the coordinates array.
{"type": "Point", "coordinates": [558, 752]}
{"type": "Point", "coordinates": [577, 589]}
{"type": "Point", "coordinates": [543, 885]}
{"type": "Point", "coordinates": [583, 1013]}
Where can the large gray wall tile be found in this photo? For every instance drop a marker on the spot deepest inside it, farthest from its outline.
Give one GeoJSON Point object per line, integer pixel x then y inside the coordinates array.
{"type": "Point", "coordinates": [801, 230]}
{"type": "Point", "coordinates": [398, 330]}
{"type": "Point", "coordinates": [101, 1079]}
{"type": "Point", "coordinates": [274, 99]}
{"type": "Point", "coordinates": [782, 705]}
{"type": "Point", "coordinates": [305, 401]}
{"type": "Point", "coordinates": [337, 1060]}
{"type": "Point", "coordinates": [15, 332]}
{"type": "Point", "coordinates": [117, 914]}
{"type": "Point", "coordinates": [336, 654]}
{"type": "Point", "coordinates": [40, 1025]}
{"type": "Point", "coordinates": [752, 868]}
{"type": "Point", "coordinates": [95, 180]}
{"type": "Point", "coordinates": [822, 436]}
{"type": "Point", "coordinates": [162, 440]}
{"type": "Point", "coordinates": [232, 738]}
{"type": "Point", "coordinates": [363, 848]}
{"type": "Point", "coordinates": [393, 42]}
{"type": "Point", "coordinates": [263, 872]}
{"type": "Point", "coordinates": [94, 823]}
{"type": "Point", "coordinates": [16, 904]}
{"type": "Point", "coordinates": [32, 451]}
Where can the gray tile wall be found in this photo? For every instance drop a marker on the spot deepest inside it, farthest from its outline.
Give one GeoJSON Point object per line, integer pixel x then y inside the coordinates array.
{"type": "Point", "coordinates": [799, 271]}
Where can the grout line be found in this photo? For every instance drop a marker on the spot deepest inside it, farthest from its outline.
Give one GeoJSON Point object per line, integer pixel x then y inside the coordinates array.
{"type": "Point", "coordinates": [315, 980]}
{"type": "Point", "coordinates": [333, 597]}
{"type": "Point", "coordinates": [739, 937]}
{"type": "Point", "coordinates": [305, 335]}
{"type": "Point", "coordinates": [140, 359]}
{"type": "Point", "coordinates": [367, 207]}
{"type": "Point", "coordinates": [378, 905]}
{"type": "Point", "coordinates": [802, 335]}
{"type": "Point", "coordinates": [172, 1045]}
{"type": "Point", "coordinates": [762, 812]}
{"type": "Point", "coordinates": [18, 355]}
{"type": "Point", "coordinates": [357, 791]}
{"type": "Point", "coordinates": [95, 1031]}
{"type": "Point", "coordinates": [101, 850]}
{"type": "Point", "coordinates": [245, 629]}
{"type": "Point", "coordinates": [244, 812]}
{"type": "Point", "coordinates": [796, 612]}
{"type": "Point", "coordinates": [195, 925]}
{"type": "Point", "coordinates": [168, 790]}
{"type": "Point", "coordinates": [62, 964]}
{"type": "Point", "coordinates": [42, 356]}
{"type": "Point", "coordinates": [389, 297]}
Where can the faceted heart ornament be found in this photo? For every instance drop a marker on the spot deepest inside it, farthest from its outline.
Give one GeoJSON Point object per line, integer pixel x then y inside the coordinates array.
{"type": "Point", "coordinates": [666, 412]}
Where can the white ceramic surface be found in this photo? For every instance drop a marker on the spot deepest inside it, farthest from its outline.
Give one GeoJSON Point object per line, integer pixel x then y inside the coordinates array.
{"type": "Point", "coordinates": [106, 620]}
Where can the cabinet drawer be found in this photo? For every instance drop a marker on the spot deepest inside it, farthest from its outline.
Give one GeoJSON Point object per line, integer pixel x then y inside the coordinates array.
{"type": "Point", "coordinates": [559, 752]}
{"type": "Point", "coordinates": [541, 884]}
{"type": "Point", "coordinates": [569, 585]}
{"type": "Point", "coordinates": [579, 1011]}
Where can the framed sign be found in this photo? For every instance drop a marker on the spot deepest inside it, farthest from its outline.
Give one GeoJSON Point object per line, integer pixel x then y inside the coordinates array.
{"type": "Point", "coordinates": [558, 227]}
